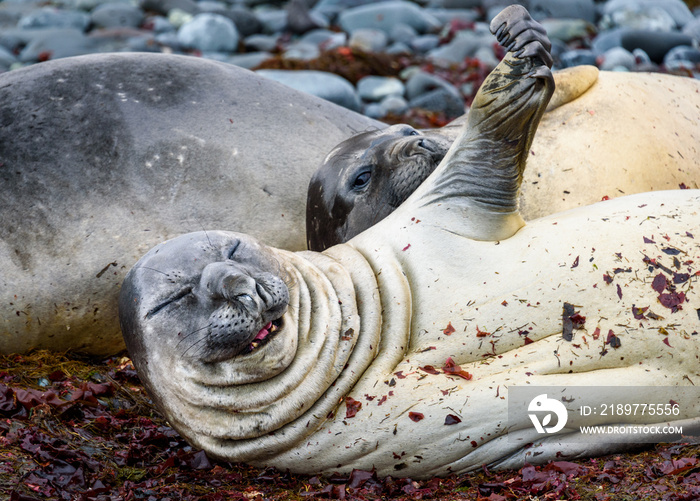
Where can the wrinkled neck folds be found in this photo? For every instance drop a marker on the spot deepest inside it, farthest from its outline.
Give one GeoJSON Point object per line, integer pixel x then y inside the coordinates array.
{"type": "Point", "coordinates": [336, 310]}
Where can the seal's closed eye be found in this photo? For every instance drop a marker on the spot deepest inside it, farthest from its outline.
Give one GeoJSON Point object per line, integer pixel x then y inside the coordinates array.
{"type": "Point", "coordinates": [232, 250]}
{"type": "Point", "coordinates": [184, 292]}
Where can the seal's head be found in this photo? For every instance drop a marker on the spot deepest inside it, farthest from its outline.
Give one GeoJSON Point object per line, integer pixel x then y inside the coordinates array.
{"type": "Point", "coordinates": [233, 339]}
{"type": "Point", "coordinates": [208, 297]}
{"type": "Point", "coordinates": [365, 178]}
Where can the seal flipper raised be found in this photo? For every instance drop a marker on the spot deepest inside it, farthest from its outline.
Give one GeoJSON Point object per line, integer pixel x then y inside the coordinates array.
{"type": "Point", "coordinates": [474, 191]}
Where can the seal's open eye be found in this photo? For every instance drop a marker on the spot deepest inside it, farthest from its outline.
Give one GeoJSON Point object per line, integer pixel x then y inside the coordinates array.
{"type": "Point", "coordinates": [362, 180]}
{"type": "Point", "coordinates": [409, 131]}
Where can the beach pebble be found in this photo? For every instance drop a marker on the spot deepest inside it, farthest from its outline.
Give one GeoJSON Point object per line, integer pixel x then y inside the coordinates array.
{"type": "Point", "coordinates": [164, 7]}
{"type": "Point", "coordinates": [325, 39]}
{"type": "Point", "coordinates": [318, 83]}
{"type": "Point", "coordinates": [682, 55]}
{"type": "Point", "coordinates": [577, 57]}
{"type": "Point", "coordinates": [568, 30]}
{"type": "Point", "coordinates": [403, 33]}
{"type": "Point", "coordinates": [563, 9]}
{"type": "Point", "coordinates": [692, 29]}
{"type": "Point", "coordinates": [48, 17]}
{"type": "Point", "coordinates": [7, 58]}
{"type": "Point", "coordinates": [662, 15]}
{"type": "Point", "coordinates": [437, 37]}
{"type": "Point", "coordinates": [374, 88]}
{"type": "Point", "coordinates": [394, 104]}
{"type": "Point", "coordinates": [48, 44]}
{"type": "Point", "coordinates": [441, 100]}
{"type": "Point", "coordinates": [385, 15]}
{"type": "Point", "coordinates": [261, 43]}
{"type": "Point", "coordinates": [110, 15]}
{"type": "Point", "coordinates": [465, 44]}
{"type": "Point", "coordinates": [272, 21]}
{"type": "Point", "coordinates": [447, 16]}
{"type": "Point", "coordinates": [617, 58]}
{"type": "Point", "coordinates": [368, 39]}
{"type": "Point", "coordinates": [249, 60]}
{"type": "Point", "coordinates": [209, 33]}
{"type": "Point", "coordinates": [424, 43]}
{"type": "Point", "coordinates": [247, 23]}
{"type": "Point", "coordinates": [158, 24]}
{"type": "Point", "coordinates": [301, 51]}
{"type": "Point", "coordinates": [300, 19]}
{"type": "Point", "coordinates": [655, 43]}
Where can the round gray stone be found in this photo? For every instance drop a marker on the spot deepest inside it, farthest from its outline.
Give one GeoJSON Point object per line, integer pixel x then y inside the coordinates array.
{"type": "Point", "coordinates": [465, 44]}
{"type": "Point", "coordinates": [368, 39]}
{"type": "Point", "coordinates": [394, 104]}
{"type": "Point", "coordinates": [209, 33]}
{"type": "Point", "coordinates": [663, 15]}
{"type": "Point", "coordinates": [48, 17]}
{"type": "Point", "coordinates": [440, 100]}
{"type": "Point", "coordinates": [374, 88]}
{"type": "Point", "coordinates": [321, 84]}
{"type": "Point", "coordinates": [424, 43]}
{"type": "Point", "coordinates": [655, 43]}
{"type": "Point", "coordinates": [563, 9]}
{"type": "Point", "coordinates": [49, 43]}
{"type": "Point", "coordinates": [618, 57]}
{"type": "Point", "coordinates": [325, 39]}
{"type": "Point", "coordinates": [401, 32]}
{"type": "Point", "coordinates": [258, 42]}
{"type": "Point", "coordinates": [301, 51]}
{"type": "Point", "coordinates": [577, 57]}
{"type": "Point", "coordinates": [165, 6]}
{"type": "Point", "coordinates": [385, 15]}
{"type": "Point", "coordinates": [111, 15]}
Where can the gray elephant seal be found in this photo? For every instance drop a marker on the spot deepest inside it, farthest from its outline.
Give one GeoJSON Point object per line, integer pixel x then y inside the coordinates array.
{"type": "Point", "coordinates": [394, 347]}
{"type": "Point", "coordinates": [592, 143]}
{"type": "Point", "coordinates": [103, 156]}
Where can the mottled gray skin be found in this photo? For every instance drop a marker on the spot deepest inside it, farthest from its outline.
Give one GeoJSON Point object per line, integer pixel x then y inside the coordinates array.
{"type": "Point", "coordinates": [365, 178]}
{"type": "Point", "coordinates": [103, 156]}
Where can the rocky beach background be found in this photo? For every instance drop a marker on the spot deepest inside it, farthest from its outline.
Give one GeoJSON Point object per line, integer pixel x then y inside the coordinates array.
{"type": "Point", "coordinates": [419, 62]}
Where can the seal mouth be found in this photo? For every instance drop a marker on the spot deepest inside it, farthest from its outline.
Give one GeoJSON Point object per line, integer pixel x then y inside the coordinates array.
{"type": "Point", "coordinates": [264, 336]}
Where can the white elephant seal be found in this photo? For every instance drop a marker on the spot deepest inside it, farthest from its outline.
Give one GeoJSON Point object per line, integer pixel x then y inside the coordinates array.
{"type": "Point", "coordinates": [608, 134]}
{"type": "Point", "coordinates": [398, 350]}
{"type": "Point", "coordinates": [104, 156]}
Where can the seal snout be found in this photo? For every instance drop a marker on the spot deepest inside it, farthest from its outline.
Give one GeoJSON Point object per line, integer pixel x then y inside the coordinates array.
{"type": "Point", "coordinates": [248, 307]}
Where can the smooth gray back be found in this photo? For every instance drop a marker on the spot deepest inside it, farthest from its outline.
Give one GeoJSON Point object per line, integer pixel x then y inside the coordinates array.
{"type": "Point", "coordinates": [104, 156]}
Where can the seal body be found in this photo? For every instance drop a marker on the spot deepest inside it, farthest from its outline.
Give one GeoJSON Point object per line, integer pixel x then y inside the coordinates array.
{"type": "Point", "coordinates": [397, 350]}
{"type": "Point", "coordinates": [103, 156]}
{"type": "Point", "coordinates": [608, 134]}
